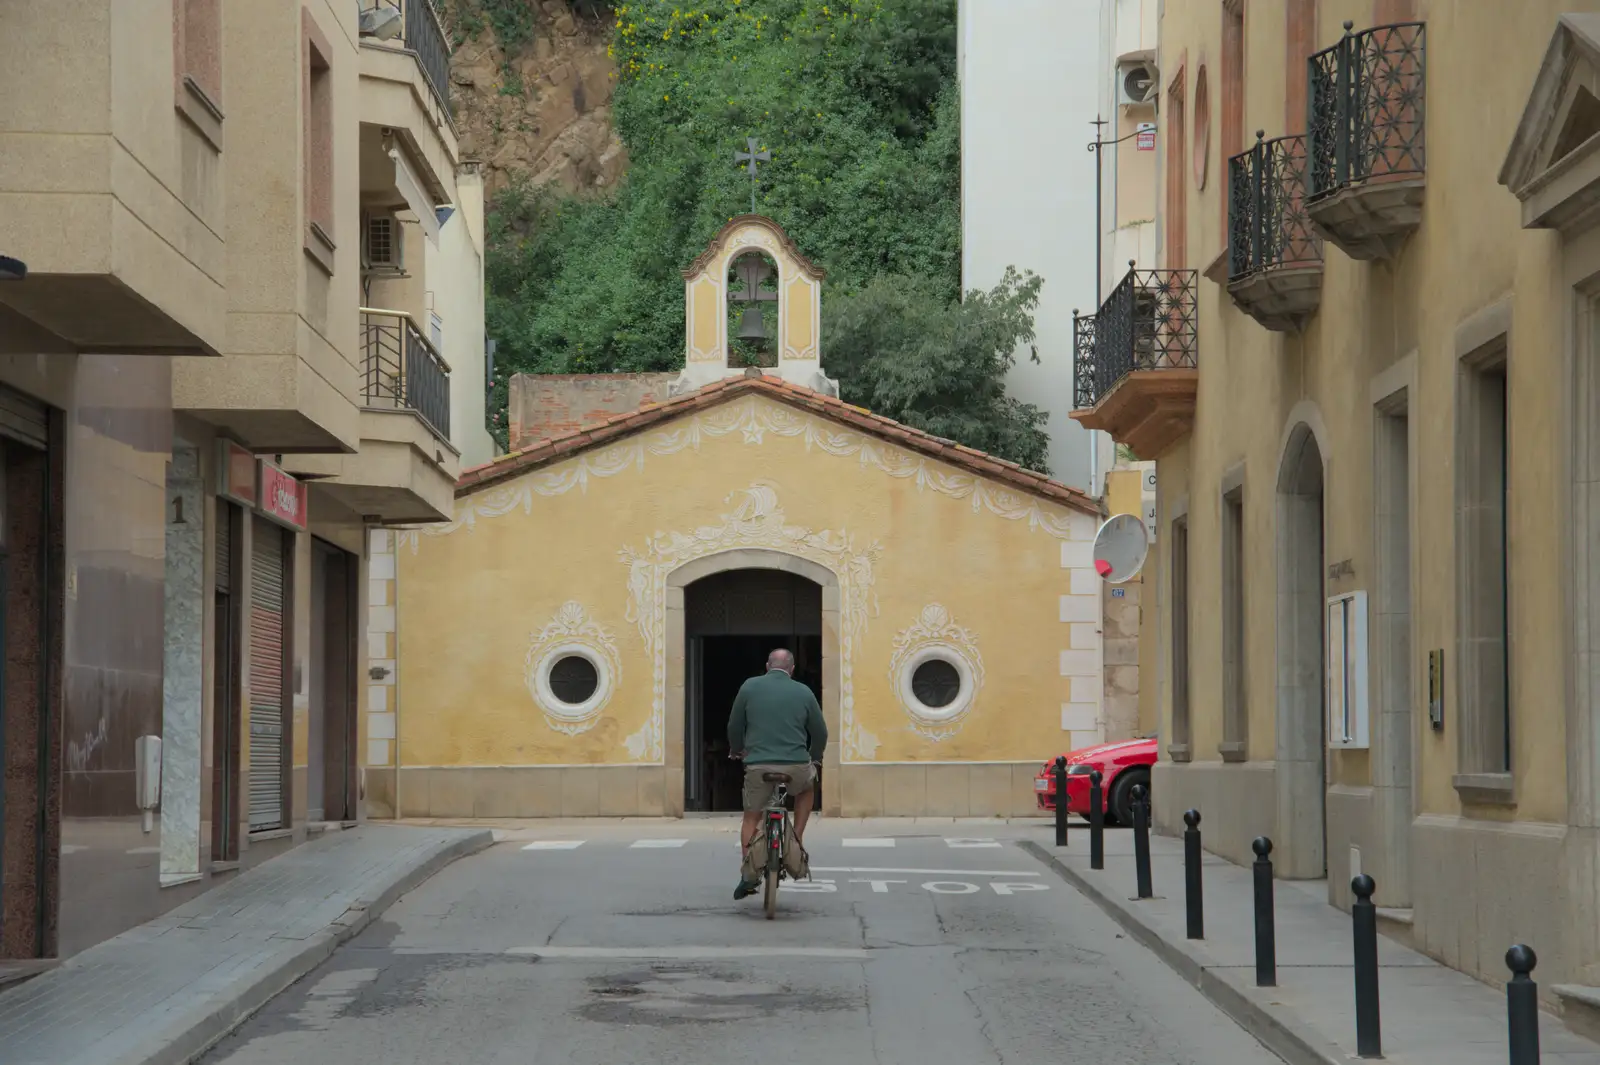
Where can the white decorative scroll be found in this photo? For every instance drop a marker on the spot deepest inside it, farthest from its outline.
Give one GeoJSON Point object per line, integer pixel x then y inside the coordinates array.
{"type": "Point", "coordinates": [936, 636]}
{"type": "Point", "coordinates": [750, 418]}
{"type": "Point", "coordinates": [572, 632]}
{"type": "Point", "coordinates": [757, 521]}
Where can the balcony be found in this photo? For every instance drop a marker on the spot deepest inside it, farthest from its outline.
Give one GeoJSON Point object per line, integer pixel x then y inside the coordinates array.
{"type": "Point", "coordinates": [408, 148]}
{"type": "Point", "coordinates": [406, 468]}
{"type": "Point", "coordinates": [1274, 255]}
{"type": "Point", "coordinates": [1137, 367]}
{"type": "Point", "coordinates": [1365, 139]}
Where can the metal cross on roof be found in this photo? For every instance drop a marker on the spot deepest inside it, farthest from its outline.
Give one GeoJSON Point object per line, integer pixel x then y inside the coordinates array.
{"type": "Point", "coordinates": [750, 158]}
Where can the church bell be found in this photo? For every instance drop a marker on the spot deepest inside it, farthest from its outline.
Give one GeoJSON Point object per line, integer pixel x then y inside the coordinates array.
{"type": "Point", "coordinates": [751, 328]}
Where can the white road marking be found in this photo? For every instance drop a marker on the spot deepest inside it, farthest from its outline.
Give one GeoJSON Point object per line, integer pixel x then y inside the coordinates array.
{"type": "Point", "coordinates": [142, 850]}
{"type": "Point", "coordinates": [772, 950]}
{"type": "Point", "coordinates": [652, 844]}
{"type": "Point", "coordinates": [1012, 889]}
{"type": "Point", "coordinates": [950, 887]}
{"type": "Point", "coordinates": [554, 845]}
{"type": "Point", "coordinates": [818, 887]}
{"type": "Point", "coordinates": [930, 872]}
{"type": "Point", "coordinates": [879, 887]}
{"type": "Point", "coordinates": [868, 842]}
{"type": "Point", "coordinates": [963, 844]}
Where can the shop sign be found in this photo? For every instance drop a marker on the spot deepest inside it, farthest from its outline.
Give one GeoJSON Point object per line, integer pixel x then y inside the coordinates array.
{"type": "Point", "coordinates": [283, 499]}
{"type": "Point", "coordinates": [236, 473]}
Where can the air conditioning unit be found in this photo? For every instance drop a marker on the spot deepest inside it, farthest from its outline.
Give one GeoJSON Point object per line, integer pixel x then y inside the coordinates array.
{"type": "Point", "coordinates": [382, 245]}
{"type": "Point", "coordinates": [1137, 84]}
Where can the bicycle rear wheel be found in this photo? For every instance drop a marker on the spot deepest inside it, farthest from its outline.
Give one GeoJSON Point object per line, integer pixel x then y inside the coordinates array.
{"type": "Point", "coordinates": [769, 900]}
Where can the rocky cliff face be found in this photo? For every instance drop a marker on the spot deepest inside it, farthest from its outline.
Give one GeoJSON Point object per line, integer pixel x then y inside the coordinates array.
{"type": "Point", "coordinates": [542, 108]}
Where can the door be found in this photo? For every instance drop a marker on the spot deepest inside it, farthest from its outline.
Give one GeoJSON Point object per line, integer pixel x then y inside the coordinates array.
{"type": "Point", "coordinates": [26, 706]}
{"type": "Point", "coordinates": [331, 776]}
{"type": "Point", "coordinates": [225, 647]}
{"type": "Point", "coordinates": [269, 689]}
{"type": "Point", "coordinates": [694, 722]}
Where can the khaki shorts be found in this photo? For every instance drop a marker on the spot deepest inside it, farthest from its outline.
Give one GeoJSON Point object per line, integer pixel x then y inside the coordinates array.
{"type": "Point", "coordinates": [757, 792]}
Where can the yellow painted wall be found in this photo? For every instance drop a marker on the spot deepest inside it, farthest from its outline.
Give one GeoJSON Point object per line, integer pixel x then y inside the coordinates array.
{"type": "Point", "coordinates": [472, 596]}
{"type": "Point", "coordinates": [1469, 252]}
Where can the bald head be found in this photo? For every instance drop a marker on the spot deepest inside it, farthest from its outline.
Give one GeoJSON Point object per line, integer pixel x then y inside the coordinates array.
{"type": "Point", "coordinates": [781, 659]}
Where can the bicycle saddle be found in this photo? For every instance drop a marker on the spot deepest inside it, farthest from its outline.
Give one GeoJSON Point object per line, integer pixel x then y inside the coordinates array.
{"type": "Point", "coordinates": [776, 778]}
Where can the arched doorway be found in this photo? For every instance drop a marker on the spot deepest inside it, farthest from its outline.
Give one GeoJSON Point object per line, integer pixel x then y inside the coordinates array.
{"type": "Point", "coordinates": [1301, 740]}
{"type": "Point", "coordinates": [732, 620]}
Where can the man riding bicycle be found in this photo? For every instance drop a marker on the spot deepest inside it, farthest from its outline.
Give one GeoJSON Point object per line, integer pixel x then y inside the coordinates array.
{"type": "Point", "coordinates": [777, 725]}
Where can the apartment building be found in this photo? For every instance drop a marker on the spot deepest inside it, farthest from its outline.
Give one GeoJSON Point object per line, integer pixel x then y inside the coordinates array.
{"type": "Point", "coordinates": [240, 241]}
{"type": "Point", "coordinates": [1364, 369]}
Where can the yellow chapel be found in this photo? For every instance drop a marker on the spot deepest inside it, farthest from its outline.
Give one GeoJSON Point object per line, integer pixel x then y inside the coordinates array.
{"type": "Point", "coordinates": [570, 643]}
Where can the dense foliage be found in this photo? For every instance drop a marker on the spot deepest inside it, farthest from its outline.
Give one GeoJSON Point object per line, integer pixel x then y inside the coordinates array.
{"type": "Point", "coordinates": [856, 100]}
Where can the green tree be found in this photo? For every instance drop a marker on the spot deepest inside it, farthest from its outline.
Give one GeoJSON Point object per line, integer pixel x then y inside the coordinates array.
{"type": "Point", "coordinates": [857, 102]}
{"type": "Point", "coordinates": [939, 365]}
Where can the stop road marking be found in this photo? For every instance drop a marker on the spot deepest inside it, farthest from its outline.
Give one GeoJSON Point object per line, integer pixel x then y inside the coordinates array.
{"type": "Point", "coordinates": [935, 887]}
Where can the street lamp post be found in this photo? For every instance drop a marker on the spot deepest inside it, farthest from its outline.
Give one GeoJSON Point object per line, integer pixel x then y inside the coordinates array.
{"type": "Point", "coordinates": [1099, 212]}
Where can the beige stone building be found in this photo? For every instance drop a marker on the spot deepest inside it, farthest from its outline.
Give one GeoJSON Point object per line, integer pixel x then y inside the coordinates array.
{"type": "Point", "coordinates": [241, 333]}
{"type": "Point", "coordinates": [1365, 368]}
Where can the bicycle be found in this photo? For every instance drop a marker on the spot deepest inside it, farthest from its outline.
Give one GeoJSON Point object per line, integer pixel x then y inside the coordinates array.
{"type": "Point", "coordinates": [778, 831]}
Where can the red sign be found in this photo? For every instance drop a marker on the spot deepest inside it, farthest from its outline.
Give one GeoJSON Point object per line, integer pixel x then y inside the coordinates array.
{"type": "Point", "coordinates": [236, 473]}
{"type": "Point", "coordinates": [1145, 139]}
{"type": "Point", "coordinates": [283, 499]}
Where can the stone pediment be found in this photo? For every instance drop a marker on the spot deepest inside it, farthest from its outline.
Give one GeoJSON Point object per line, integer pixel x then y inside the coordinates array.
{"type": "Point", "coordinates": [1553, 165]}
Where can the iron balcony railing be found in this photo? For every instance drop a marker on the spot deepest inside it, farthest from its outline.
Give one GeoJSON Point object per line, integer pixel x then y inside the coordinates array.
{"type": "Point", "coordinates": [1147, 323]}
{"type": "Point", "coordinates": [423, 33]}
{"type": "Point", "coordinates": [402, 370]}
{"type": "Point", "coordinates": [1267, 222]}
{"type": "Point", "coordinates": [1366, 107]}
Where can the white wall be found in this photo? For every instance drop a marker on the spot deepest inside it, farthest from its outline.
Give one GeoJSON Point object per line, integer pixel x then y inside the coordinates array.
{"type": "Point", "coordinates": [454, 271]}
{"type": "Point", "coordinates": [1029, 90]}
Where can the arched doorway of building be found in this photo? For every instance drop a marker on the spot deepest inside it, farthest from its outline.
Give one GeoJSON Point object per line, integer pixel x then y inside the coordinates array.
{"type": "Point", "coordinates": [1302, 720]}
{"type": "Point", "coordinates": [732, 621]}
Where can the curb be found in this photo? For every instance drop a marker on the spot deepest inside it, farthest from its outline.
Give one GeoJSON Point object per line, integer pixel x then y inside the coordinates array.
{"type": "Point", "coordinates": [186, 1039]}
{"type": "Point", "coordinates": [1293, 1041]}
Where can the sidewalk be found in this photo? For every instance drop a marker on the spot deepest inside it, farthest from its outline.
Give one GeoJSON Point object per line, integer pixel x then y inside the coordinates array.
{"type": "Point", "coordinates": [162, 993]}
{"type": "Point", "coordinates": [1431, 1014]}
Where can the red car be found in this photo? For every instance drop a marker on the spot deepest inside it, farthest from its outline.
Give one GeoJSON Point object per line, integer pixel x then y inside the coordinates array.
{"type": "Point", "coordinates": [1122, 765]}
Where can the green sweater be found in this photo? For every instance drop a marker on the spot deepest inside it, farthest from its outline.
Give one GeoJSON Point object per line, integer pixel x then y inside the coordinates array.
{"type": "Point", "coordinates": [776, 721]}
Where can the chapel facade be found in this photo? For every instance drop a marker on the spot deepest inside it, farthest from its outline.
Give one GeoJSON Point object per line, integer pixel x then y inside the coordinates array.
{"type": "Point", "coordinates": [570, 643]}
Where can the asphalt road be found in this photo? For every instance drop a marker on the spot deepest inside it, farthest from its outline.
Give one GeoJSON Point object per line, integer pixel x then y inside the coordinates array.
{"type": "Point", "coordinates": [911, 948]}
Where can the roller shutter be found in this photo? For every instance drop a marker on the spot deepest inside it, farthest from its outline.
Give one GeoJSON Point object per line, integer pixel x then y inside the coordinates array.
{"type": "Point", "coordinates": [269, 638]}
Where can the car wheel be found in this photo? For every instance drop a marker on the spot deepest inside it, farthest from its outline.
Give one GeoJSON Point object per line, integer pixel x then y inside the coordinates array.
{"type": "Point", "coordinates": [1122, 794]}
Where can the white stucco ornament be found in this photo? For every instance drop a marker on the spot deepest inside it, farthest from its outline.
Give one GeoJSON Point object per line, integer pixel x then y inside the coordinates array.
{"type": "Point", "coordinates": [571, 632]}
{"type": "Point", "coordinates": [756, 521]}
{"type": "Point", "coordinates": [750, 420]}
{"type": "Point", "coordinates": [935, 637]}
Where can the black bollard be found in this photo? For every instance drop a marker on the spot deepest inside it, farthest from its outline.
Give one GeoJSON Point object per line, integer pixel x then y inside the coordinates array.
{"type": "Point", "coordinates": [1364, 920]}
{"type": "Point", "coordinates": [1522, 1006]}
{"type": "Point", "coordinates": [1061, 800]}
{"type": "Point", "coordinates": [1097, 822]}
{"type": "Point", "coordinates": [1266, 933]}
{"type": "Point", "coordinates": [1141, 840]}
{"type": "Point", "coordinates": [1193, 904]}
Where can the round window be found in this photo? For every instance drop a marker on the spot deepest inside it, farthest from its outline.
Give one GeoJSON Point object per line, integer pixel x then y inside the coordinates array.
{"type": "Point", "coordinates": [574, 679]}
{"type": "Point", "coordinates": [936, 683]}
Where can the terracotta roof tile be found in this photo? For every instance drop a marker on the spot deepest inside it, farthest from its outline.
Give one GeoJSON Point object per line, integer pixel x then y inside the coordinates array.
{"type": "Point", "coordinates": [621, 425]}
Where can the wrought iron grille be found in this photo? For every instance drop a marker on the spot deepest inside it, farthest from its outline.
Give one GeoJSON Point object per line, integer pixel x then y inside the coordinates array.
{"type": "Point", "coordinates": [425, 36]}
{"type": "Point", "coordinates": [1083, 360]}
{"type": "Point", "coordinates": [1147, 323]}
{"type": "Point", "coordinates": [1267, 221]}
{"type": "Point", "coordinates": [401, 369]}
{"type": "Point", "coordinates": [1366, 107]}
